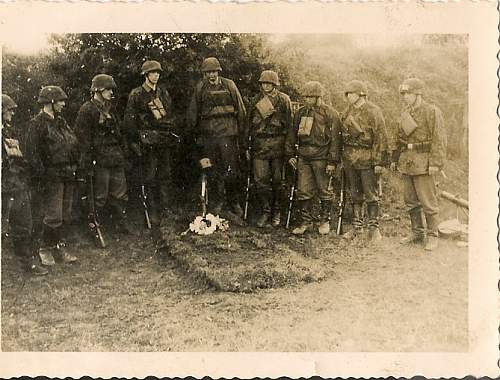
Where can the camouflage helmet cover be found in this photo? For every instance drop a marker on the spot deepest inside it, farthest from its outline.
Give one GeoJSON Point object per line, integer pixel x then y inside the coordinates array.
{"type": "Point", "coordinates": [313, 89]}
{"type": "Point", "coordinates": [269, 76]}
{"type": "Point", "coordinates": [356, 87]}
{"type": "Point", "coordinates": [8, 103]}
{"type": "Point", "coordinates": [149, 66]}
{"type": "Point", "coordinates": [102, 82]}
{"type": "Point", "coordinates": [210, 64]}
{"type": "Point", "coordinates": [50, 94]}
{"type": "Point", "coordinates": [412, 85]}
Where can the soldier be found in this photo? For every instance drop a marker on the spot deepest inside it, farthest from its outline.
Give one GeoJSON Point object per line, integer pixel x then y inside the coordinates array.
{"type": "Point", "coordinates": [149, 128]}
{"type": "Point", "coordinates": [270, 118]}
{"type": "Point", "coordinates": [103, 150]}
{"type": "Point", "coordinates": [314, 140]}
{"type": "Point", "coordinates": [364, 141]}
{"type": "Point", "coordinates": [217, 116]}
{"type": "Point", "coordinates": [52, 152]}
{"type": "Point", "coordinates": [16, 203]}
{"type": "Point", "coordinates": [419, 155]}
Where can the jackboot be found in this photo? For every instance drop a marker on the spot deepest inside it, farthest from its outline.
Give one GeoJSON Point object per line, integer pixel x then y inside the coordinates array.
{"type": "Point", "coordinates": [357, 222]}
{"type": "Point", "coordinates": [48, 245]}
{"type": "Point", "coordinates": [23, 249]}
{"type": "Point", "coordinates": [373, 227]}
{"type": "Point", "coordinates": [277, 198]}
{"type": "Point", "coordinates": [432, 232]}
{"type": "Point", "coordinates": [305, 218]}
{"type": "Point", "coordinates": [276, 220]}
{"type": "Point", "coordinates": [265, 209]}
{"type": "Point", "coordinates": [324, 227]}
{"type": "Point", "coordinates": [60, 253]}
{"type": "Point", "coordinates": [417, 227]}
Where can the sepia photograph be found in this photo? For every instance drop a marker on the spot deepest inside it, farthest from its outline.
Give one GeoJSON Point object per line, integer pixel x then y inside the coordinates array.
{"type": "Point", "coordinates": [235, 192]}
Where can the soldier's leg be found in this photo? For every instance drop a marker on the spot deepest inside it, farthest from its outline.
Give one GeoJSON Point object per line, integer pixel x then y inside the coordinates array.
{"type": "Point", "coordinates": [52, 220]}
{"type": "Point", "coordinates": [277, 185]}
{"type": "Point", "coordinates": [150, 167]}
{"type": "Point", "coordinates": [414, 209]}
{"type": "Point", "coordinates": [37, 210]}
{"type": "Point", "coordinates": [353, 177]}
{"type": "Point", "coordinates": [101, 192]}
{"type": "Point", "coordinates": [324, 193]}
{"type": "Point", "coordinates": [165, 182]}
{"type": "Point", "coordinates": [370, 190]}
{"type": "Point", "coordinates": [118, 199]}
{"type": "Point", "coordinates": [21, 227]}
{"type": "Point", "coordinates": [215, 175]}
{"type": "Point", "coordinates": [426, 192]}
{"type": "Point", "coordinates": [67, 211]}
{"type": "Point", "coordinates": [230, 159]}
{"type": "Point", "coordinates": [306, 189]}
{"type": "Point", "coordinates": [262, 181]}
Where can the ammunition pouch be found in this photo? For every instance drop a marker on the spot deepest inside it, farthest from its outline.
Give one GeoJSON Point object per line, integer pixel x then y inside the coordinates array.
{"type": "Point", "coordinates": [151, 137]}
{"type": "Point", "coordinates": [219, 111]}
{"type": "Point", "coordinates": [421, 147]}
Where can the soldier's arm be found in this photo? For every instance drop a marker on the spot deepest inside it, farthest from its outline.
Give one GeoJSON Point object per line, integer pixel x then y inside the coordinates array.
{"type": "Point", "coordinates": [193, 112]}
{"type": "Point", "coordinates": [288, 112]}
{"type": "Point", "coordinates": [130, 120]}
{"type": "Point", "coordinates": [83, 125]}
{"type": "Point", "coordinates": [379, 147]}
{"type": "Point", "coordinates": [438, 138]}
{"type": "Point", "coordinates": [335, 152]}
{"type": "Point", "coordinates": [33, 151]}
{"type": "Point", "coordinates": [291, 137]}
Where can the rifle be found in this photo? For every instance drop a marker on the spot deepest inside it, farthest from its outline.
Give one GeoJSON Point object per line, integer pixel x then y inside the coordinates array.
{"type": "Point", "coordinates": [249, 177]}
{"type": "Point", "coordinates": [341, 204]}
{"type": "Point", "coordinates": [143, 195]}
{"type": "Point", "coordinates": [455, 199]}
{"type": "Point", "coordinates": [294, 185]}
{"type": "Point", "coordinates": [204, 193]}
{"type": "Point", "coordinates": [93, 222]}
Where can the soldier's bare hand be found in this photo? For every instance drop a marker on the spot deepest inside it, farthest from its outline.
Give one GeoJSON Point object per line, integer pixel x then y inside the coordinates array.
{"type": "Point", "coordinates": [247, 155]}
{"type": "Point", "coordinates": [378, 169]}
{"type": "Point", "coordinates": [293, 162]}
{"type": "Point", "coordinates": [433, 170]}
{"type": "Point", "coordinates": [393, 166]}
{"type": "Point", "coordinates": [330, 169]}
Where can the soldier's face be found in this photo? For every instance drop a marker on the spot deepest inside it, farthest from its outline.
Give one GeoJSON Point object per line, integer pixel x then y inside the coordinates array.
{"type": "Point", "coordinates": [212, 76]}
{"type": "Point", "coordinates": [7, 115]}
{"type": "Point", "coordinates": [59, 105]}
{"type": "Point", "coordinates": [267, 87]}
{"type": "Point", "coordinates": [352, 97]}
{"type": "Point", "coordinates": [107, 94]}
{"type": "Point", "coordinates": [409, 98]}
{"type": "Point", "coordinates": [153, 76]}
{"type": "Point", "coordinates": [310, 100]}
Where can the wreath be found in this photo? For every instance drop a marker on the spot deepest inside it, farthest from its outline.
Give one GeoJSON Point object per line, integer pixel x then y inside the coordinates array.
{"type": "Point", "coordinates": [208, 225]}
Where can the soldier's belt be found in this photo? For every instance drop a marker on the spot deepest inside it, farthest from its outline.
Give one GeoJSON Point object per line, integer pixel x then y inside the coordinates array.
{"type": "Point", "coordinates": [219, 111]}
{"type": "Point", "coordinates": [422, 147]}
{"type": "Point", "coordinates": [358, 145]}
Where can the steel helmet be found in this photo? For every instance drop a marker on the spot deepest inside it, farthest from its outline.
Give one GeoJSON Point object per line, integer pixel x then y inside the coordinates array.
{"type": "Point", "coordinates": [356, 87]}
{"type": "Point", "coordinates": [210, 64]}
{"type": "Point", "coordinates": [8, 103]}
{"type": "Point", "coordinates": [149, 66]}
{"type": "Point", "coordinates": [50, 94]}
{"type": "Point", "coordinates": [412, 85]}
{"type": "Point", "coordinates": [102, 82]}
{"type": "Point", "coordinates": [313, 89]}
{"type": "Point", "coordinates": [269, 76]}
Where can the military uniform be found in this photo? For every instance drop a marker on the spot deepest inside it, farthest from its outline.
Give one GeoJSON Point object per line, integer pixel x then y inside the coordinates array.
{"type": "Point", "coordinates": [16, 202]}
{"type": "Point", "coordinates": [364, 141]}
{"type": "Point", "coordinates": [52, 151]}
{"type": "Point", "coordinates": [270, 118]}
{"type": "Point", "coordinates": [315, 130]}
{"type": "Point", "coordinates": [149, 123]}
{"type": "Point", "coordinates": [217, 115]}
{"type": "Point", "coordinates": [100, 139]}
{"type": "Point", "coordinates": [415, 152]}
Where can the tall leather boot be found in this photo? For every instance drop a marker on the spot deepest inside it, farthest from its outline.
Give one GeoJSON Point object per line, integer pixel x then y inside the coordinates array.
{"type": "Point", "coordinates": [48, 246]}
{"type": "Point", "coordinates": [357, 222]}
{"type": "Point", "coordinates": [373, 227]}
{"type": "Point", "coordinates": [265, 209]}
{"type": "Point", "coordinates": [432, 232]}
{"type": "Point", "coordinates": [306, 223]}
{"type": "Point", "coordinates": [23, 249]}
{"type": "Point", "coordinates": [277, 195]}
{"type": "Point", "coordinates": [324, 227]}
{"type": "Point", "coordinates": [417, 228]}
{"type": "Point", "coordinates": [61, 253]}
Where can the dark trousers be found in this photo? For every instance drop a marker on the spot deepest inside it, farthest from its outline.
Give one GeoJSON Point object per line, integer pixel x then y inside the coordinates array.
{"type": "Point", "coordinates": [313, 180]}
{"type": "Point", "coordinates": [58, 203]}
{"type": "Point", "coordinates": [267, 175]}
{"type": "Point", "coordinates": [157, 174]}
{"type": "Point", "coordinates": [110, 185]}
{"type": "Point", "coordinates": [362, 185]}
{"type": "Point", "coordinates": [17, 208]}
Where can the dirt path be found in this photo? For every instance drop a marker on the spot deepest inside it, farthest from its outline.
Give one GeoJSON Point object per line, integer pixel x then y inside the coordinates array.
{"type": "Point", "coordinates": [129, 300]}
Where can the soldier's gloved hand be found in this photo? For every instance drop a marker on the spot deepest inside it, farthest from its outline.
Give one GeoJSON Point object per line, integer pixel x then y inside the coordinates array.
{"type": "Point", "coordinates": [330, 169]}
{"type": "Point", "coordinates": [377, 169]}
{"type": "Point", "coordinates": [394, 166]}
{"type": "Point", "coordinates": [136, 149]}
{"type": "Point", "coordinates": [433, 170]}
{"type": "Point", "coordinates": [293, 162]}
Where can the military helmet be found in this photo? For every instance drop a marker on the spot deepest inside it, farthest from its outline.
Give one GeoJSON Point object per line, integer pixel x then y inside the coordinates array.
{"type": "Point", "coordinates": [50, 94]}
{"type": "Point", "coordinates": [412, 85]}
{"type": "Point", "coordinates": [210, 64]}
{"type": "Point", "coordinates": [269, 76]}
{"type": "Point", "coordinates": [8, 103]}
{"type": "Point", "coordinates": [313, 89]}
{"type": "Point", "coordinates": [149, 66]}
{"type": "Point", "coordinates": [102, 82]}
{"type": "Point", "coordinates": [356, 87]}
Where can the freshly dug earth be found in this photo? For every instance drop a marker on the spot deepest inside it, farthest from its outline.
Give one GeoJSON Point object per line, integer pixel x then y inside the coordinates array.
{"type": "Point", "coordinates": [314, 293]}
